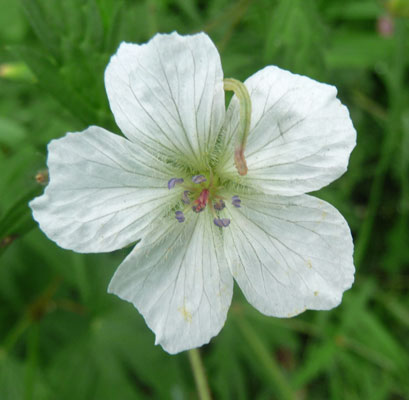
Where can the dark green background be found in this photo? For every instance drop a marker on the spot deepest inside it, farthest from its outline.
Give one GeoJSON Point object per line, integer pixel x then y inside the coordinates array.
{"type": "Point", "coordinates": [63, 337]}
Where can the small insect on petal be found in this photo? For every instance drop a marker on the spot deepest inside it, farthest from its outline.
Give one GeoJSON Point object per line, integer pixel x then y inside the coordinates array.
{"type": "Point", "coordinates": [219, 205]}
{"type": "Point", "coordinates": [221, 222]}
{"type": "Point", "coordinates": [235, 200]}
{"type": "Point", "coordinates": [42, 177]}
{"type": "Point", "coordinates": [185, 197]}
{"type": "Point", "coordinates": [180, 216]}
{"type": "Point", "coordinates": [172, 182]}
{"type": "Point", "coordinates": [199, 179]}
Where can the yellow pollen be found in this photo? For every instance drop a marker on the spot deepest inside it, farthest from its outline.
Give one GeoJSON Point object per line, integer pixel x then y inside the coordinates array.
{"type": "Point", "coordinates": [187, 316]}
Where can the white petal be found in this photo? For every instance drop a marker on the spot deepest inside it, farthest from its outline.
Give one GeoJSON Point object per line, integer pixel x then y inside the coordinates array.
{"type": "Point", "coordinates": [301, 135]}
{"type": "Point", "coordinates": [289, 254]}
{"type": "Point", "coordinates": [178, 278]}
{"type": "Point", "coordinates": [168, 94]}
{"type": "Point", "coordinates": [103, 191]}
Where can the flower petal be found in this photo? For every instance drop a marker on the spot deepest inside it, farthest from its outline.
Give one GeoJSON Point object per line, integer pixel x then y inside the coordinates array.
{"type": "Point", "coordinates": [289, 254]}
{"type": "Point", "coordinates": [178, 278]}
{"type": "Point", "coordinates": [168, 94]}
{"type": "Point", "coordinates": [103, 191]}
{"type": "Point", "coordinates": [300, 137]}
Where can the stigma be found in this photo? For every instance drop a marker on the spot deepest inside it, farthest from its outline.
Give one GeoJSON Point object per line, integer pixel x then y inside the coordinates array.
{"type": "Point", "coordinates": [200, 203]}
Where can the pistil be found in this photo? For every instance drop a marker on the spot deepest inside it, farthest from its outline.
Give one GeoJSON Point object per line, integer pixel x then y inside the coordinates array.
{"type": "Point", "coordinates": [200, 203]}
{"type": "Point", "coordinates": [243, 96]}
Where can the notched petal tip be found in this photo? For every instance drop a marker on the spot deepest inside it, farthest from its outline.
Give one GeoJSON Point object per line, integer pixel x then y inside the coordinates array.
{"type": "Point", "coordinates": [305, 230]}
{"type": "Point", "coordinates": [306, 142]}
{"type": "Point", "coordinates": [141, 82]}
{"type": "Point", "coordinates": [185, 307]}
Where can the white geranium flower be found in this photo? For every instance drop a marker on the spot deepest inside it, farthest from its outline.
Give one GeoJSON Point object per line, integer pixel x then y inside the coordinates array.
{"type": "Point", "coordinates": [173, 183]}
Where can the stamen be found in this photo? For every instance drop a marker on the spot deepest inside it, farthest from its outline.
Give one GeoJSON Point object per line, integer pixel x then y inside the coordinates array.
{"type": "Point", "coordinates": [180, 216]}
{"type": "Point", "coordinates": [199, 179]}
{"type": "Point", "coordinates": [185, 197]}
{"type": "Point", "coordinates": [221, 222]}
{"type": "Point", "coordinates": [243, 96]}
{"type": "Point", "coordinates": [172, 182]}
{"type": "Point", "coordinates": [235, 200]}
{"type": "Point", "coordinates": [219, 205]}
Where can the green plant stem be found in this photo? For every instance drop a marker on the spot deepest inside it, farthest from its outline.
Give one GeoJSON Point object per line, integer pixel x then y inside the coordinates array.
{"type": "Point", "coordinates": [15, 333]}
{"type": "Point", "coordinates": [34, 311]}
{"type": "Point", "coordinates": [200, 375]}
{"type": "Point", "coordinates": [269, 364]}
{"type": "Point", "coordinates": [31, 362]}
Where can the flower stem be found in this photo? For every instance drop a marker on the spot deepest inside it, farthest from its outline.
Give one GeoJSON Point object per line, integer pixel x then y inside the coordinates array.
{"type": "Point", "coordinates": [271, 368]}
{"type": "Point", "coordinates": [199, 374]}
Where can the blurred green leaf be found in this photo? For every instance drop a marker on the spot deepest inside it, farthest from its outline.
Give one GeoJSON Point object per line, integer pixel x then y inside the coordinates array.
{"type": "Point", "coordinates": [295, 39]}
{"type": "Point", "coordinates": [39, 21]}
{"type": "Point", "coordinates": [77, 341]}
{"type": "Point", "coordinates": [316, 362]}
{"type": "Point", "coordinates": [355, 10]}
{"type": "Point", "coordinates": [258, 350]}
{"type": "Point", "coordinates": [16, 221]}
{"type": "Point", "coordinates": [11, 132]}
{"type": "Point", "coordinates": [50, 79]}
{"type": "Point", "coordinates": [357, 50]}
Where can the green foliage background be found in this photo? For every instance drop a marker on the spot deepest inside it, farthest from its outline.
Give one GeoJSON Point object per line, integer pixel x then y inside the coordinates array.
{"type": "Point", "coordinates": [63, 337]}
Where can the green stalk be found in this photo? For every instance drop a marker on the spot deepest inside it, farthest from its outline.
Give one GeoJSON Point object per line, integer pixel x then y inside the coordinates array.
{"type": "Point", "coordinates": [270, 365]}
{"type": "Point", "coordinates": [199, 374]}
{"type": "Point", "coordinates": [31, 362]}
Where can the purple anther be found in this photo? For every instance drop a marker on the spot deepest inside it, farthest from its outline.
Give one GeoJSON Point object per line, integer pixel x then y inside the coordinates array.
{"type": "Point", "coordinates": [235, 200]}
{"type": "Point", "coordinates": [221, 222]}
{"type": "Point", "coordinates": [185, 197]}
{"type": "Point", "coordinates": [219, 205]}
{"type": "Point", "coordinates": [172, 182]}
{"type": "Point", "coordinates": [199, 179]}
{"type": "Point", "coordinates": [179, 216]}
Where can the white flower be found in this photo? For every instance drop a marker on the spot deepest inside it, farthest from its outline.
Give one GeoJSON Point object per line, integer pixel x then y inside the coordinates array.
{"type": "Point", "coordinates": [173, 184]}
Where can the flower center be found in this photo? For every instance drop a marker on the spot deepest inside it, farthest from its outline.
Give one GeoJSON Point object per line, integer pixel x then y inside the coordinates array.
{"type": "Point", "coordinates": [200, 194]}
